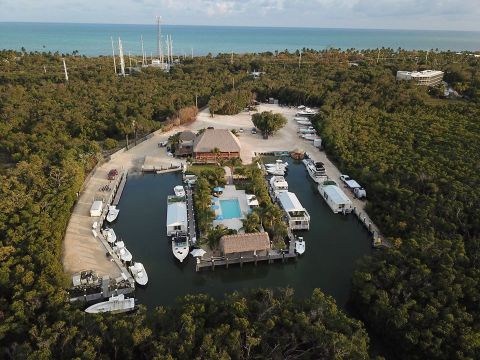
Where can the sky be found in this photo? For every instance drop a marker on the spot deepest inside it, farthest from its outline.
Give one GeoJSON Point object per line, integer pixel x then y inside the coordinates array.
{"type": "Point", "coordinates": [377, 14]}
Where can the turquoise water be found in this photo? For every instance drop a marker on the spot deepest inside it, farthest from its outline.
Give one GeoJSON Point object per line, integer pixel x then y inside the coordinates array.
{"type": "Point", "coordinates": [230, 209]}
{"type": "Point", "coordinates": [94, 39]}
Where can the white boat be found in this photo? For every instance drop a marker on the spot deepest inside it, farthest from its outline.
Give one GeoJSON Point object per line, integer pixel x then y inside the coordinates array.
{"type": "Point", "coordinates": [304, 123]}
{"type": "Point", "coordinates": [115, 305]}
{"type": "Point", "coordinates": [278, 184]}
{"type": "Point", "coordinates": [310, 137]}
{"type": "Point", "coordinates": [179, 191]}
{"type": "Point", "coordinates": [301, 107]}
{"type": "Point", "coordinates": [180, 248]}
{"type": "Point", "coordinates": [110, 235]}
{"type": "Point", "coordinates": [139, 273]}
{"type": "Point", "coordinates": [316, 170]}
{"type": "Point", "coordinates": [112, 213]}
{"type": "Point", "coordinates": [335, 197]}
{"type": "Point", "coordinates": [122, 251]}
{"type": "Point", "coordinates": [279, 164]}
{"type": "Point", "coordinates": [275, 171]}
{"type": "Point", "coordinates": [309, 130]}
{"type": "Point", "coordinates": [306, 112]}
{"type": "Point", "coordinates": [301, 118]}
{"type": "Point", "coordinates": [300, 246]}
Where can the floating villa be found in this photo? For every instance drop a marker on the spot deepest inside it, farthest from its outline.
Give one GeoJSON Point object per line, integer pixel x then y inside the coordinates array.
{"type": "Point", "coordinates": [176, 215]}
{"type": "Point", "coordinates": [298, 217]}
{"type": "Point", "coordinates": [335, 197]}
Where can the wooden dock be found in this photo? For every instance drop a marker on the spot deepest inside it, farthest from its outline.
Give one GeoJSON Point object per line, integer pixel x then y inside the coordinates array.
{"type": "Point", "coordinates": [191, 226]}
{"type": "Point", "coordinates": [119, 189]}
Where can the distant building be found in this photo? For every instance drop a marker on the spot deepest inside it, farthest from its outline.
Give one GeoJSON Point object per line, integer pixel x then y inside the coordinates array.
{"type": "Point", "coordinates": [425, 77]}
{"type": "Point", "coordinates": [214, 144]}
{"type": "Point", "coordinates": [185, 143]}
{"type": "Point", "coordinates": [234, 246]}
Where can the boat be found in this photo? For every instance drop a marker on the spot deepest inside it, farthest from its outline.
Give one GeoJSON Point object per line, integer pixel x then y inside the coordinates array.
{"type": "Point", "coordinates": [115, 304]}
{"type": "Point", "coordinates": [278, 184]}
{"type": "Point", "coordinates": [122, 251]}
{"type": "Point", "coordinates": [110, 235]}
{"type": "Point", "coordinates": [310, 137]}
{"type": "Point", "coordinates": [112, 213]}
{"type": "Point", "coordinates": [301, 118]}
{"type": "Point", "coordinates": [309, 130]}
{"type": "Point", "coordinates": [304, 123]}
{"type": "Point", "coordinates": [139, 273]}
{"type": "Point", "coordinates": [279, 164]}
{"type": "Point", "coordinates": [299, 246]}
{"type": "Point", "coordinates": [180, 248]}
{"type": "Point", "coordinates": [316, 170]}
{"type": "Point", "coordinates": [276, 171]}
{"type": "Point", "coordinates": [335, 197]}
{"type": "Point", "coordinates": [306, 112]}
{"type": "Point", "coordinates": [179, 191]}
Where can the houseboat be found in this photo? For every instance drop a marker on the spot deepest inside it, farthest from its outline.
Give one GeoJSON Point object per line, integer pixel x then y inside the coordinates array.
{"type": "Point", "coordinates": [176, 215]}
{"type": "Point", "coordinates": [278, 184]}
{"type": "Point", "coordinates": [316, 170]}
{"type": "Point", "coordinates": [298, 217]}
{"type": "Point", "coordinates": [335, 197]}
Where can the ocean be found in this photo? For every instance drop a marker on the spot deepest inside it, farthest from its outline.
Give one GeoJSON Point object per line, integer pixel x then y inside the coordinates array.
{"type": "Point", "coordinates": [94, 39]}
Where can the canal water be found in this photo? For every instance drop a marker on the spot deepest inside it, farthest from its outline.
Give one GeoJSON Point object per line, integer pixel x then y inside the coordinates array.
{"type": "Point", "coordinates": [333, 245]}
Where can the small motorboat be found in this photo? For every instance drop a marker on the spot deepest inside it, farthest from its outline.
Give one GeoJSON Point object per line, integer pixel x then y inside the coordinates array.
{"type": "Point", "coordinates": [115, 305]}
{"type": "Point", "coordinates": [277, 172]}
{"type": "Point", "coordinates": [300, 246]}
{"type": "Point", "coordinates": [278, 164]}
{"type": "Point", "coordinates": [122, 251]}
{"type": "Point", "coordinates": [112, 213]}
{"type": "Point", "coordinates": [110, 235]}
{"type": "Point", "coordinates": [301, 118]}
{"type": "Point", "coordinates": [139, 273]}
{"type": "Point", "coordinates": [179, 191]}
{"type": "Point", "coordinates": [180, 247]}
{"type": "Point", "coordinates": [304, 123]}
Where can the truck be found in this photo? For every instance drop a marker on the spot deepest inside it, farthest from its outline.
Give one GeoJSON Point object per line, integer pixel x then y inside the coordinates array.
{"type": "Point", "coordinates": [354, 187]}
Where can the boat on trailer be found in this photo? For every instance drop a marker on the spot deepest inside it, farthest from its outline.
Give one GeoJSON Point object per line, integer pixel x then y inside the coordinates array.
{"type": "Point", "coordinates": [115, 305]}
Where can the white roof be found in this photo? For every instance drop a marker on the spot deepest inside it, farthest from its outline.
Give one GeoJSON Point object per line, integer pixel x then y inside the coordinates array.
{"type": "Point", "coordinates": [289, 201]}
{"type": "Point", "coordinates": [336, 194]}
{"type": "Point", "coordinates": [424, 73]}
{"type": "Point", "coordinates": [176, 214]}
{"type": "Point", "coordinates": [352, 184]}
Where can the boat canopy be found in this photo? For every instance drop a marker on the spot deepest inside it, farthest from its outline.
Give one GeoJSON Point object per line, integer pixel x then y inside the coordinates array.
{"type": "Point", "coordinates": [177, 214]}
{"type": "Point", "coordinates": [290, 202]}
{"type": "Point", "coordinates": [336, 194]}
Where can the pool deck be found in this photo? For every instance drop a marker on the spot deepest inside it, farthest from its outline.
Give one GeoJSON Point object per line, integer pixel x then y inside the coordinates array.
{"type": "Point", "coordinates": [231, 193]}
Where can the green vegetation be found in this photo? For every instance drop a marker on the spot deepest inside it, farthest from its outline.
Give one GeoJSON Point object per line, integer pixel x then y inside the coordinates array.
{"type": "Point", "coordinates": [230, 103]}
{"type": "Point", "coordinates": [416, 153]}
{"type": "Point", "coordinates": [268, 122]}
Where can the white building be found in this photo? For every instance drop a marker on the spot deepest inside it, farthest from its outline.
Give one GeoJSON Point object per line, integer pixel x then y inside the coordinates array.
{"type": "Point", "coordinates": [425, 77]}
{"type": "Point", "coordinates": [298, 217]}
{"type": "Point", "coordinates": [176, 218]}
{"type": "Point", "coordinates": [96, 209]}
{"type": "Point", "coordinates": [335, 198]}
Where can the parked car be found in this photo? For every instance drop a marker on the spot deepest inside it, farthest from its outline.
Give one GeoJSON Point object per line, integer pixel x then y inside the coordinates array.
{"type": "Point", "coordinates": [163, 143]}
{"type": "Point", "coordinates": [254, 130]}
{"type": "Point", "coordinates": [344, 178]}
{"type": "Point", "coordinates": [240, 130]}
{"type": "Point", "coordinates": [112, 174]}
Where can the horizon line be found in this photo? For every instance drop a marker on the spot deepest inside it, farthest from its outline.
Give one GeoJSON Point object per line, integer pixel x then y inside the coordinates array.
{"type": "Point", "coordinates": [233, 26]}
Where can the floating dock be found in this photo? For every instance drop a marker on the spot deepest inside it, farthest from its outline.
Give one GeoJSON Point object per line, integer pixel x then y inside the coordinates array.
{"type": "Point", "coordinates": [119, 189]}
{"type": "Point", "coordinates": [191, 226]}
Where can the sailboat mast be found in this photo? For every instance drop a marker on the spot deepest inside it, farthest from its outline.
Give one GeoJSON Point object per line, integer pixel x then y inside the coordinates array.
{"type": "Point", "coordinates": [113, 54]}
{"type": "Point", "coordinates": [143, 51]}
{"type": "Point", "coordinates": [122, 61]}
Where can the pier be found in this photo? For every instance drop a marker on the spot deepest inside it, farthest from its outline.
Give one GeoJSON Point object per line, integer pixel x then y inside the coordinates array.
{"type": "Point", "coordinates": [118, 190]}
{"type": "Point", "coordinates": [191, 226]}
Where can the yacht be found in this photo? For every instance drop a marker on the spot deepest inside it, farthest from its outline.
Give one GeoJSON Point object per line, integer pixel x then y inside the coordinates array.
{"type": "Point", "coordinates": [276, 171]}
{"type": "Point", "coordinates": [306, 112]}
{"type": "Point", "coordinates": [110, 235]}
{"type": "Point", "coordinates": [301, 118]}
{"type": "Point", "coordinates": [139, 273]}
{"type": "Point", "coordinates": [180, 248]}
{"type": "Point", "coordinates": [309, 130]}
{"type": "Point", "coordinates": [299, 246]}
{"type": "Point", "coordinates": [316, 170]}
{"type": "Point", "coordinates": [278, 183]}
{"type": "Point", "coordinates": [122, 251]}
{"type": "Point", "coordinates": [279, 164]}
{"type": "Point", "coordinates": [112, 213]}
{"type": "Point", "coordinates": [179, 191]}
{"type": "Point", "coordinates": [115, 305]}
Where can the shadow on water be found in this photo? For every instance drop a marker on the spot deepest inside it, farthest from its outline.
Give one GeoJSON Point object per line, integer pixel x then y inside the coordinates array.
{"type": "Point", "coordinates": [334, 244]}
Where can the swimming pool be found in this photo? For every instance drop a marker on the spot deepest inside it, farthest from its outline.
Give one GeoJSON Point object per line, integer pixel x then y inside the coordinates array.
{"type": "Point", "coordinates": [230, 209]}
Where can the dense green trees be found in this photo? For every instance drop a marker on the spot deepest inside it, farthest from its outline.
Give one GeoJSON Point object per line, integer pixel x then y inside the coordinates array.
{"type": "Point", "coordinates": [230, 103]}
{"type": "Point", "coordinates": [417, 156]}
{"type": "Point", "coordinates": [268, 122]}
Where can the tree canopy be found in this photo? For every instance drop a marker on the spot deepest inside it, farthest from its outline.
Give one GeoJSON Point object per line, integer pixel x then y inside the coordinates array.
{"type": "Point", "coordinates": [268, 122]}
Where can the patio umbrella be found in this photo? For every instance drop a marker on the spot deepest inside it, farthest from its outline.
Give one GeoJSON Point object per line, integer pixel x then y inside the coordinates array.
{"type": "Point", "coordinates": [214, 207]}
{"type": "Point", "coordinates": [218, 189]}
{"type": "Point", "coordinates": [198, 252]}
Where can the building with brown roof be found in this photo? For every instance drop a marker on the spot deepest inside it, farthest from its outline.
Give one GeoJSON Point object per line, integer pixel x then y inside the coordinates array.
{"type": "Point", "coordinates": [215, 144]}
{"type": "Point", "coordinates": [234, 246]}
{"type": "Point", "coordinates": [185, 143]}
